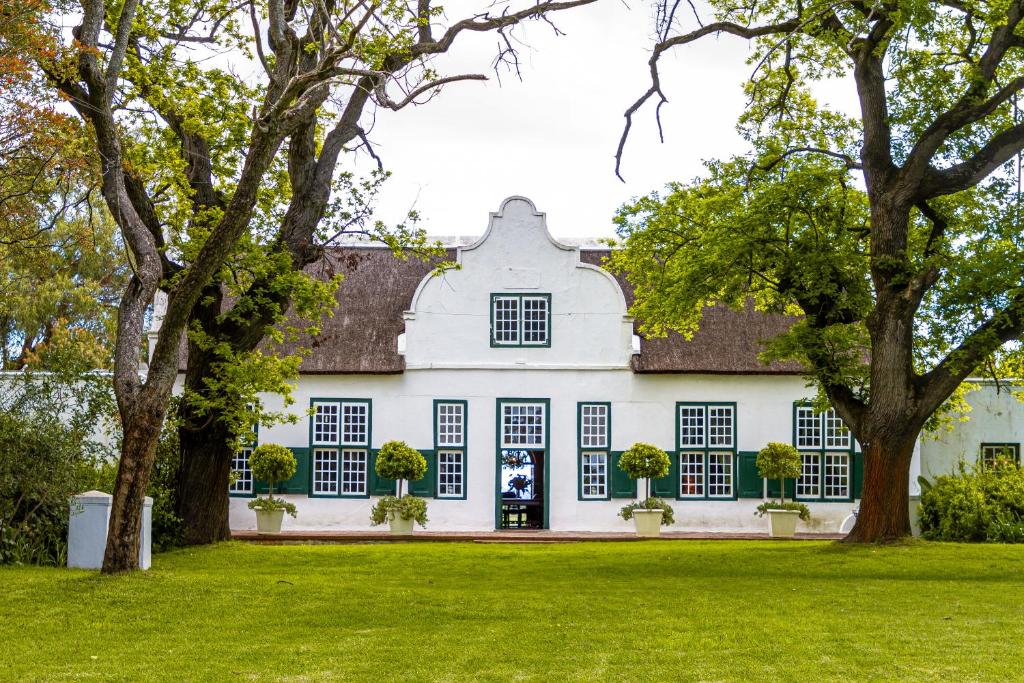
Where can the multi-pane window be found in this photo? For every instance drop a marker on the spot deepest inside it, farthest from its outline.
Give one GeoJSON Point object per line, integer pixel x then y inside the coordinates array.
{"type": "Point", "coordinates": [837, 435]}
{"type": "Point", "coordinates": [720, 426]}
{"type": "Point", "coordinates": [594, 425]}
{"type": "Point", "coordinates": [994, 452]}
{"type": "Point", "coordinates": [520, 319]}
{"type": "Point", "coordinates": [691, 426]}
{"type": "Point", "coordinates": [451, 424]}
{"type": "Point", "coordinates": [522, 425]}
{"type": "Point", "coordinates": [836, 479]}
{"type": "Point", "coordinates": [594, 473]}
{"type": "Point", "coordinates": [355, 424]}
{"type": "Point", "coordinates": [720, 471]}
{"type": "Point", "coordinates": [240, 466]}
{"type": "Point", "coordinates": [353, 472]}
{"type": "Point", "coordinates": [325, 423]}
{"type": "Point", "coordinates": [691, 475]}
{"type": "Point", "coordinates": [451, 474]}
{"type": "Point", "coordinates": [325, 471]}
{"type": "Point", "coordinates": [807, 486]}
{"type": "Point", "coordinates": [808, 428]}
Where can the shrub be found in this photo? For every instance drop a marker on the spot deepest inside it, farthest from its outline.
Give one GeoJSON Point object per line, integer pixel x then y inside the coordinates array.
{"type": "Point", "coordinates": [269, 504]}
{"type": "Point", "coordinates": [272, 463]}
{"type": "Point", "coordinates": [406, 507]}
{"type": "Point", "coordinates": [396, 460]}
{"type": "Point", "coordinates": [667, 516]}
{"type": "Point", "coordinates": [976, 504]}
{"type": "Point", "coordinates": [763, 508]}
{"type": "Point", "coordinates": [779, 461]}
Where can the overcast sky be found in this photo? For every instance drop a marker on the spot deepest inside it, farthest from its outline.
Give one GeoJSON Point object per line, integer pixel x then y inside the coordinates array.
{"type": "Point", "coordinates": [552, 136]}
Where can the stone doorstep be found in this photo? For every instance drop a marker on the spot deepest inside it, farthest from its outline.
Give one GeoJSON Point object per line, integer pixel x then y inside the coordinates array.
{"type": "Point", "coordinates": [534, 537]}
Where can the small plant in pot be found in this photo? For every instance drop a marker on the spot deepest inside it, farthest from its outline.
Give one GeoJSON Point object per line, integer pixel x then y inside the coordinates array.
{"type": "Point", "coordinates": [644, 461]}
{"type": "Point", "coordinates": [271, 463]}
{"type": "Point", "coordinates": [781, 461]}
{"type": "Point", "coordinates": [396, 460]}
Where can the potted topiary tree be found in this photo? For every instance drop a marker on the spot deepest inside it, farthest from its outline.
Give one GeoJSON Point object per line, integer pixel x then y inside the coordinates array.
{"type": "Point", "coordinates": [398, 461]}
{"type": "Point", "coordinates": [271, 463]}
{"type": "Point", "coordinates": [644, 461]}
{"type": "Point", "coordinates": [781, 461]}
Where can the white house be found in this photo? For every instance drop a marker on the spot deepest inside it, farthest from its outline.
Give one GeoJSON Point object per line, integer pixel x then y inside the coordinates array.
{"type": "Point", "coordinates": [522, 367]}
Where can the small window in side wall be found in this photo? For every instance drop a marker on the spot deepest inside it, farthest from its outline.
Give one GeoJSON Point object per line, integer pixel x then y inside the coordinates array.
{"type": "Point", "coordinates": [594, 474]}
{"type": "Point", "coordinates": [993, 452]}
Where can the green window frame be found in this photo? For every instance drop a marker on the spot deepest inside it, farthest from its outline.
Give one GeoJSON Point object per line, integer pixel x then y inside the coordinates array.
{"type": "Point", "coordinates": [990, 451]}
{"type": "Point", "coordinates": [593, 450]}
{"type": "Point", "coordinates": [451, 436]}
{"type": "Point", "coordinates": [829, 463]}
{"type": "Point", "coordinates": [705, 465]}
{"type": "Point", "coordinates": [517, 320]}
{"type": "Point", "coordinates": [245, 484]}
{"type": "Point", "coordinates": [340, 459]}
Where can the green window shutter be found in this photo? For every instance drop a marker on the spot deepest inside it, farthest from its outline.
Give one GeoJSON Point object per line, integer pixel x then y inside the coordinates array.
{"type": "Point", "coordinates": [858, 474]}
{"type": "Point", "coordinates": [378, 486]}
{"type": "Point", "coordinates": [667, 486]}
{"type": "Point", "coordinates": [259, 486]}
{"type": "Point", "coordinates": [622, 485]}
{"type": "Point", "coordinates": [749, 483]}
{"type": "Point", "coordinates": [425, 487]}
{"type": "Point", "coordinates": [773, 488]}
{"type": "Point", "coordinates": [299, 483]}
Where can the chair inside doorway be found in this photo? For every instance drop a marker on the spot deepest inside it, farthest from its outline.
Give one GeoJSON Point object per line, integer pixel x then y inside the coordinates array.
{"type": "Point", "coordinates": [522, 495]}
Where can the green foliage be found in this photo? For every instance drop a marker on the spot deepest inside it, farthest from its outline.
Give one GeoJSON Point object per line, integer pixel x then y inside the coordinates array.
{"type": "Point", "coordinates": [644, 461]}
{"type": "Point", "coordinates": [271, 462]}
{"type": "Point", "coordinates": [406, 507]}
{"type": "Point", "coordinates": [270, 504]}
{"type": "Point", "coordinates": [667, 516]}
{"type": "Point", "coordinates": [975, 504]}
{"type": "Point", "coordinates": [763, 508]}
{"type": "Point", "coordinates": [396, 460]}
{"type": "Point", "coordinates": [778, 461]}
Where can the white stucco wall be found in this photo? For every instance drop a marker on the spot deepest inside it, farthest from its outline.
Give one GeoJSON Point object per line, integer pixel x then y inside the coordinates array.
{"type": "Point", "coordinates": [996, 416]}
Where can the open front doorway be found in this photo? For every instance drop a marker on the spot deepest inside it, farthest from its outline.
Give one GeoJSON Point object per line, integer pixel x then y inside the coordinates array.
{"type": "Point", "coordinates": [521, 466]}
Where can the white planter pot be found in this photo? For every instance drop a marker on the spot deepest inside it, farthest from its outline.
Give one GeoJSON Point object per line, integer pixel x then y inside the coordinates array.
{"type": "Point", "coordinates": [648, 522]}
{"type": "Point", "coordinates": [269, 521]}
{"type": "Point", "coordinates": [400, 525]}
{"type": "Point", "coordinates": [782, 523]}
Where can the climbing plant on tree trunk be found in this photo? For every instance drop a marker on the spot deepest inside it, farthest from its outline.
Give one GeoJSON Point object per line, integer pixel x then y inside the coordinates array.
{"type": "Point", "coordinates": [894, 232]}
{"type": "Point", "coordinates": [199, 155]}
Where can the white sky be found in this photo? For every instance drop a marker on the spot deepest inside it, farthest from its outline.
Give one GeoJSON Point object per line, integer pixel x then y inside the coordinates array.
{"type": "Point", "coordinates": [552, 137]}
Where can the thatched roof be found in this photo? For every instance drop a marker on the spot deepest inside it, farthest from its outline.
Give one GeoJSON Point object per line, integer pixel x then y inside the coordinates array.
{"type": "Point", "coordinates": [362, 335]}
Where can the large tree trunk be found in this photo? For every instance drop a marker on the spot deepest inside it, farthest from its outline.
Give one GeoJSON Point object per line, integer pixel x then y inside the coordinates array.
{"type": "Point", "coordinates": [885, 507]}
{"type": "Point", "coordinates": [202, 488]}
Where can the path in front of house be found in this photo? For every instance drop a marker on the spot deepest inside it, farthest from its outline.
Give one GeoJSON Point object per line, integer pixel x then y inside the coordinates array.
{"type": "Point", "coordinates": [544, 536]}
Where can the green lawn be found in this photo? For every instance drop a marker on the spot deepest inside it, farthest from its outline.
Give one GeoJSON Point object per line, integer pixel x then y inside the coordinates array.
{"type": "Point", "coordinates": [716, 610]}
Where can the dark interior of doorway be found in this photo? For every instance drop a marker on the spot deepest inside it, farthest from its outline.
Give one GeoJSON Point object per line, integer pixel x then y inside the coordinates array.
{"type": "Point", "coordinates": [522, 489]}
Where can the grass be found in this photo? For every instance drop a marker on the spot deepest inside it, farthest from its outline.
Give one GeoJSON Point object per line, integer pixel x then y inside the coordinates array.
{"type": "Point", "coordinates": [712, 611]}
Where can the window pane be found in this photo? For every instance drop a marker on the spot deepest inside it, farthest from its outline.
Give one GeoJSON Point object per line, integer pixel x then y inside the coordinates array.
{"type": "Point", "coordinates": [808, 428]}
{"type": "Point", "coordinates": [720, 474]}
{"type": "Point", "coordinates": [720, 426]}
{"type": "Point", "coordinates": [594, 473]}
{"type": "Point", "coordinates": [240, 464]}
{"type": "Point", "coordinates": [506, 320]}
{"type": "Point", "coordinates": [325, 423]}
{"type": "Point", "coordinates": [990, 453]}
{"type": "Point", "coordinates": [810, 475]}
{"type": "Point", "coordinates": [450, 474]}
{"type": "Point", "coordinates": [594, 426]}
{"type": "Point", "coordinates": [691, 425]}
{"type": "Point", "coordinates": [450, 424]}
{"type": "Point", "coordinates": [353, 472]}
{"type": "Point", "coordinates": [837, 475]}
{"type": "Point", "coordinates": [325, 471]}
{"type": "Point", "coordinates": [522, 424]}
{"type": "Point", "coordinates": [535, 320]}
{"type": "Point", "coordinates": [836, 433]}
{"type": "Point", "coordinates": [691, 474]}
{"type": "Point", "coordinates": [355, 423]}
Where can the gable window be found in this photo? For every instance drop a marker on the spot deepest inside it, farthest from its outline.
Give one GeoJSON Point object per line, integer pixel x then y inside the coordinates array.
{"type": "Point", "coordinates": [593, 440]}
{"type": "Point", "coordinates": [993, 452]}
{"type": "Point", "coordinates": [340, 446]}
{"type": "Point", "coordinates": [450, 419]}
{"type": "Point", "coordinates": [706, 450]}
{"type": "Point", "coordinates": [826, 454]}
{"type": "Point", "coordinates": [520, 320]}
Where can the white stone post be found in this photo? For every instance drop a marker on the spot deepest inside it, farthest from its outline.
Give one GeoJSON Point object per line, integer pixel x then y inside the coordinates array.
{"type": "Point", "coordinates": [87, 530]}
